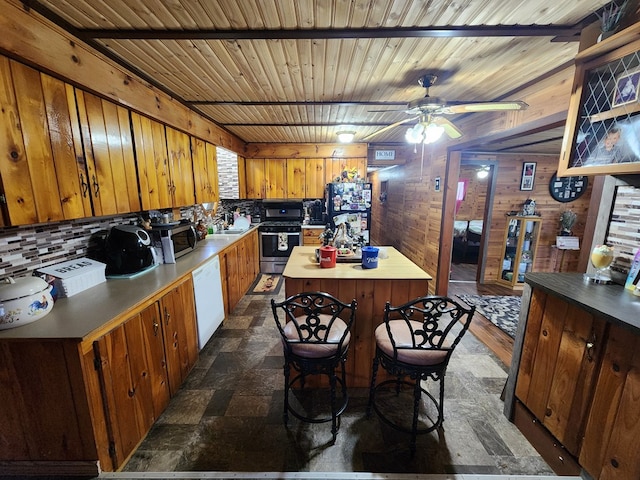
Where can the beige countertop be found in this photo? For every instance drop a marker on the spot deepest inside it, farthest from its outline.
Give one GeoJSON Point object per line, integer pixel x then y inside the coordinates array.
{"type": "Point", "coordinates": [78, 316]}
{"type": "Point", "coordinates": [302, 264]}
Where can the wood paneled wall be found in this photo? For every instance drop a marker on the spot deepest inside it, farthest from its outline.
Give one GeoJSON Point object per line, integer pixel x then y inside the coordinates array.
{"type": "Point", "coordinates": [472, 208]}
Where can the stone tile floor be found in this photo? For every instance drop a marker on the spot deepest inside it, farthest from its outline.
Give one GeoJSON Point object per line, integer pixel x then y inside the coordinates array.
{"type": "Point", "coordinates": [228, 417]}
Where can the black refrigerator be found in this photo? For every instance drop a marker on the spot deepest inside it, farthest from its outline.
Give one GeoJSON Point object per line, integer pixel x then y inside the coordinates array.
{"type": "Point", "coordinates": [350, 203]}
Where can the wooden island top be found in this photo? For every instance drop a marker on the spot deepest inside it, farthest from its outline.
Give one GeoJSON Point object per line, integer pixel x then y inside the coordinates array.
{"type": "Point", "coordinates": [397, 280]}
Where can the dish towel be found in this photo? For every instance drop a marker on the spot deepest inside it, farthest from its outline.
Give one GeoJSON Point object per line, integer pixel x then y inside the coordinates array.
{"type": "Point", "coordinates": [283, 244]}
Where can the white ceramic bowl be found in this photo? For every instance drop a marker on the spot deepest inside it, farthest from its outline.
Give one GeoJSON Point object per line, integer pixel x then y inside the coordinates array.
{"type": "Point", "coordinates": [23, 300]}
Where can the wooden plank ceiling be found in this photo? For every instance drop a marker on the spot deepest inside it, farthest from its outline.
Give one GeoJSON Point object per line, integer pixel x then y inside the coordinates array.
{"type": "Point", "coordinates": [302, 70]}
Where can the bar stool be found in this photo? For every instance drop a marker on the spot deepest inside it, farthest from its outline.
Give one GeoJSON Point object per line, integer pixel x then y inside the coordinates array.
{"type": "Point", "coordinates": [316, 329]}
{"type": "Point", "coordinates": [414, 344]}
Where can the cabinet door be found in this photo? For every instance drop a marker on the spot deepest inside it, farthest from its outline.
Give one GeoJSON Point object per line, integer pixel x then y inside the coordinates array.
{"type": "Point", "coordinates": [233, 276]}
{"type": "Point", "coordinates": [311, 236]}
{"type": "Point", "coordinates": [152, 164]}
{"type": "Point", "coordinates": [276, 177]}
{"type": "Point", "coordinates": [41, 162]}
{"type": "Point", "coordinates": [559, 367]}
{"type": "Point", "coordinates": [609, 449]}
{"type": "Point", "coordinates": [205, 171]}
{"type": "Point", "coordinates": [256, 177]}
{"type": "Point", "coordinates": [126, 386]}
{"type": "Point", "coordinates": [106, 133]}
{"type": "Point", "coordinates": [179, 332]}
{"type": "Point", "coordinates": [180, 167]}
{"type": "Point", "coordinates": [296, 178]}
{"type": "Point", "coordinates": [314, 178]}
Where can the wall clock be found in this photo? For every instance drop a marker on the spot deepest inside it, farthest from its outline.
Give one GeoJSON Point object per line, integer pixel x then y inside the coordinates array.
{"type": "Point", "coordinates": [567, 189]}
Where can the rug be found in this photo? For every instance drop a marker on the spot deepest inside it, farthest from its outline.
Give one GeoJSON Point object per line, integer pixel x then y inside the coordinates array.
{"type": "Point", "coordinates": [266, 284]}
{"type": "Point", "coordinates": [502, 311]}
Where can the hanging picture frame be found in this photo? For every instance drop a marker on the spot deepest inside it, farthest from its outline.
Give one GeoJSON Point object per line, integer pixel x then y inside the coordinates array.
{"type": "Point", "coordinates": [528, 175]}
{"type": "Point", "coordinates": [626, 89]}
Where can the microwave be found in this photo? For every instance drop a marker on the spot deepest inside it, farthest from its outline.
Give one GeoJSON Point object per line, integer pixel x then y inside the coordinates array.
{"type": "Point", "coordinates": [174, 241]}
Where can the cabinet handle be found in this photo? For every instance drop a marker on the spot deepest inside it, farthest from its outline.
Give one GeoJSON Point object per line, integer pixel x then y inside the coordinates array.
{"type": "Point", "coordinates": [167, 316]}
{"type": "Point", "coordinates": [155, 327]}
{"type": "Point", "coordinates": [84, 186]}
{"type": "Point", "coordinates": [590, 346]}
{"type": "Point", "coordinates": [96, 186]}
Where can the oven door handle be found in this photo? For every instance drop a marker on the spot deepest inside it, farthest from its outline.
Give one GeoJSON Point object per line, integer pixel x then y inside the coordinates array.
{"type": "Point", "coordinates": [275, 234]}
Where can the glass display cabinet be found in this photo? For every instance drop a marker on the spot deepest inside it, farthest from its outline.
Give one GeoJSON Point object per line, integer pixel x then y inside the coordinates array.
{"type": "Point", "coordinates": [520, 244]}
{"type": "Point", "coordinates": [602, 133]}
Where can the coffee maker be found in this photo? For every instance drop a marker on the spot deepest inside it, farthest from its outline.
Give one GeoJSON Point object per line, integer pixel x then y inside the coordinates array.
{"type": "Point", "coordinates": [317, 216]}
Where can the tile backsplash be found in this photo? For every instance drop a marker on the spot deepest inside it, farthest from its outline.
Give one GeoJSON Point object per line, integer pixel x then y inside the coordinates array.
{"type": "Point", "coordinates": [27, 248]}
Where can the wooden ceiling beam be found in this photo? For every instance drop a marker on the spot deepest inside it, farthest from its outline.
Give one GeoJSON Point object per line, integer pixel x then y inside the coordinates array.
{"type": "Point", "coordinates": [566, 32]}
{"type": "Point", "coordinates": [295, 103]}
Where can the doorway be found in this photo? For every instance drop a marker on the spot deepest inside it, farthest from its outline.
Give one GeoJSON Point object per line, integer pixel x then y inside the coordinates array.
{"type": "Point", "coordinates": [472, 198]}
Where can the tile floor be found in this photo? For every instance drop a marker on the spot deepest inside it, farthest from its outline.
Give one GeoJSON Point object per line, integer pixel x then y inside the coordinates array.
{"type": "Point", "coordinates": [228, 418]}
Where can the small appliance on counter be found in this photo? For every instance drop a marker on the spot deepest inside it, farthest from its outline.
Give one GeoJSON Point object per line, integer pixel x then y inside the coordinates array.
{"type": "Point", "coordinates": [317, 216]}
{"type": "Point", "coordinates": [171, 241]}
{"type": "Point", "coordinates": [128, 250]}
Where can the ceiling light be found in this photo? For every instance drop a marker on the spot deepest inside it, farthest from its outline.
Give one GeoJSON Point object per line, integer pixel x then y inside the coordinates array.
{"type": "Point", "coordinates": [424, 132]}
{"type": "Point", "coordinates": [346, 137]}
{"type": "Point", "coordinates": [482, 172]}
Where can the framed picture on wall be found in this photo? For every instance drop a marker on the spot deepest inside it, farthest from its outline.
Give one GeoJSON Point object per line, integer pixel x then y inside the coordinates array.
{"type": "Point", "coordinates": [626, 89]}
{"type": "Point", "coordinates": [528, 174]}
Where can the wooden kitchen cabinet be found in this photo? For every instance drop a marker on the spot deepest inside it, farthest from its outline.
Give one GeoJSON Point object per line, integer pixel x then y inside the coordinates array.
{"type": "Point", "coordinates": [42, 169]}
{"type": "Point", "coordinates": [180, 167]}
{"type": "Point", "coordinates": [141, 363]}
{"type": "Point", "coordinates": [239, 266]}
{"type": "Point", "coordinates": [609, 449]}
{"type": "Point", "coordinates": [255, 178]}
{"type": "Point", "coordinates": [311, 236]}
{"type": "Point", "coordinates": [111, 173]}
{"type": "Point", "coordinates": [150, 143]}
{"type": "Point", "coordinates": [334, 168]}
{"type": "Point", "coordinates": [133, 379]}
{"type": "Point", "coordinates": [205, 171]}
{"type": "Point", "coordinates": [180, 333]}
{"type": "Point", "coordinates": [276, 178]}
{"type": "Point", "coordinates": [314, 178]}
{"type": "Point", "coordinates": [296, 178]}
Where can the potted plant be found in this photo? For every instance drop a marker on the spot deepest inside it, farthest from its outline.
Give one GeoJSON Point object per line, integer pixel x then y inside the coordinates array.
{"type": "Point", "coordinates": [567, 219]}
{"type": "Point", "coordinates": [610, 16]}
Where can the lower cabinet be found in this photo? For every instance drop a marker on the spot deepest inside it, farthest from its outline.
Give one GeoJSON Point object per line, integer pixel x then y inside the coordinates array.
{"type": "Point", "coordinates": [311, 236]}
{"type": "Point", "coordinates": [141, 363]}
{"type": "Point", "coordinates": [579, 376]}
{"type": "Point", "coordinates": [239, 265]}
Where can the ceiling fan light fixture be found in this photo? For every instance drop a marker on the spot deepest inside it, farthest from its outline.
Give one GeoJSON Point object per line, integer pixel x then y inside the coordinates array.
{"type": "Point", "coordinates": [432, 133]}
{"type": "Point", "coordinates": [346, 136]}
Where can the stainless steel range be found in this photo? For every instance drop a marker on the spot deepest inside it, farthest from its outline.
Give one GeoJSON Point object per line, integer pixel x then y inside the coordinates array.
{"type": "Point", "coordinates": [279, 232]}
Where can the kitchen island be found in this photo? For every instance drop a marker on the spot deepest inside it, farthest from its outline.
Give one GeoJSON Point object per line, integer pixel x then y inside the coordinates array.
{"type": "Point", "coordinates": [397, 280]}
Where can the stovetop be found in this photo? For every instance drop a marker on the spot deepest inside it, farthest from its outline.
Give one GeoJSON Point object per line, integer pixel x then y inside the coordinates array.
{"type": "Point", "coordinates": [280, 226]}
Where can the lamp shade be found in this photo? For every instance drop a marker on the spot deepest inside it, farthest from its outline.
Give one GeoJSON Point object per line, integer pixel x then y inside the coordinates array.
{"type": "Point", "coordinates": [345, 137]}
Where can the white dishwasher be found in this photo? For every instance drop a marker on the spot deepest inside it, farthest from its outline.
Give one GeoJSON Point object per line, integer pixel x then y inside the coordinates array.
{"type": "Point", "coordinates": [207, 286]}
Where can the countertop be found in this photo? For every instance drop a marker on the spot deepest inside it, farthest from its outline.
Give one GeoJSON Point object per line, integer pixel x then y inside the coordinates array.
{"type": "Point", "coordinates": [613, 302]}
{"type": "Point", "coordinates": [78, 316]}
{"type": "Point", "coordinates": [302, 264]}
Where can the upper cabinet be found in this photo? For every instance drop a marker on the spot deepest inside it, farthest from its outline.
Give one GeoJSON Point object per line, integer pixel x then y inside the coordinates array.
{"type": "Point", "coordinates": [108, 148]}
{"type": "Point", "coordinates": [42, 170]}
{"type": "Point", "coordinates": [153, 166]}
{"type": "Point", "coordinates": [180, 167]}
{"type": "Point", "coordinates": [205, 170]}
{"type": "Point", "coordinates": [602, 134]}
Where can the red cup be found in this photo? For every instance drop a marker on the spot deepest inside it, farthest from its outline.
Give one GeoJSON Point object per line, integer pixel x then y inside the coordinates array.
{"type": "Point", "coordinates": [328, 256]}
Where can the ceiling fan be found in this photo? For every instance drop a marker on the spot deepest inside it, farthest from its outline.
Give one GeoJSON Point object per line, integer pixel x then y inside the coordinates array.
{"type": "Point", "coordinates": [429, 110]}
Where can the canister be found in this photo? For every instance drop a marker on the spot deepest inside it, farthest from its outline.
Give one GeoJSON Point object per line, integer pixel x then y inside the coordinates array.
{"type": "Point", "coordinates": [328, 256]}
{"type": "Point", "coordinates": [369, 257]}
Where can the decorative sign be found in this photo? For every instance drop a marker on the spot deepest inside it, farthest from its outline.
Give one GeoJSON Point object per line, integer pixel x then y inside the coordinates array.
{"type": "Point", "coordinates": [385, 154]}
{"type": "Point", "coordinates": [567, 243]}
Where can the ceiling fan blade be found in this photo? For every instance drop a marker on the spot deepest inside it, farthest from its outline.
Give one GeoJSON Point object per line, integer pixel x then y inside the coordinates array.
{"type": "Point", "coordinates": [388, 127]}
{"type": "Point", "coordinates": [483, 107]}
{"type": "Point", "coordinates": [449, 128]}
